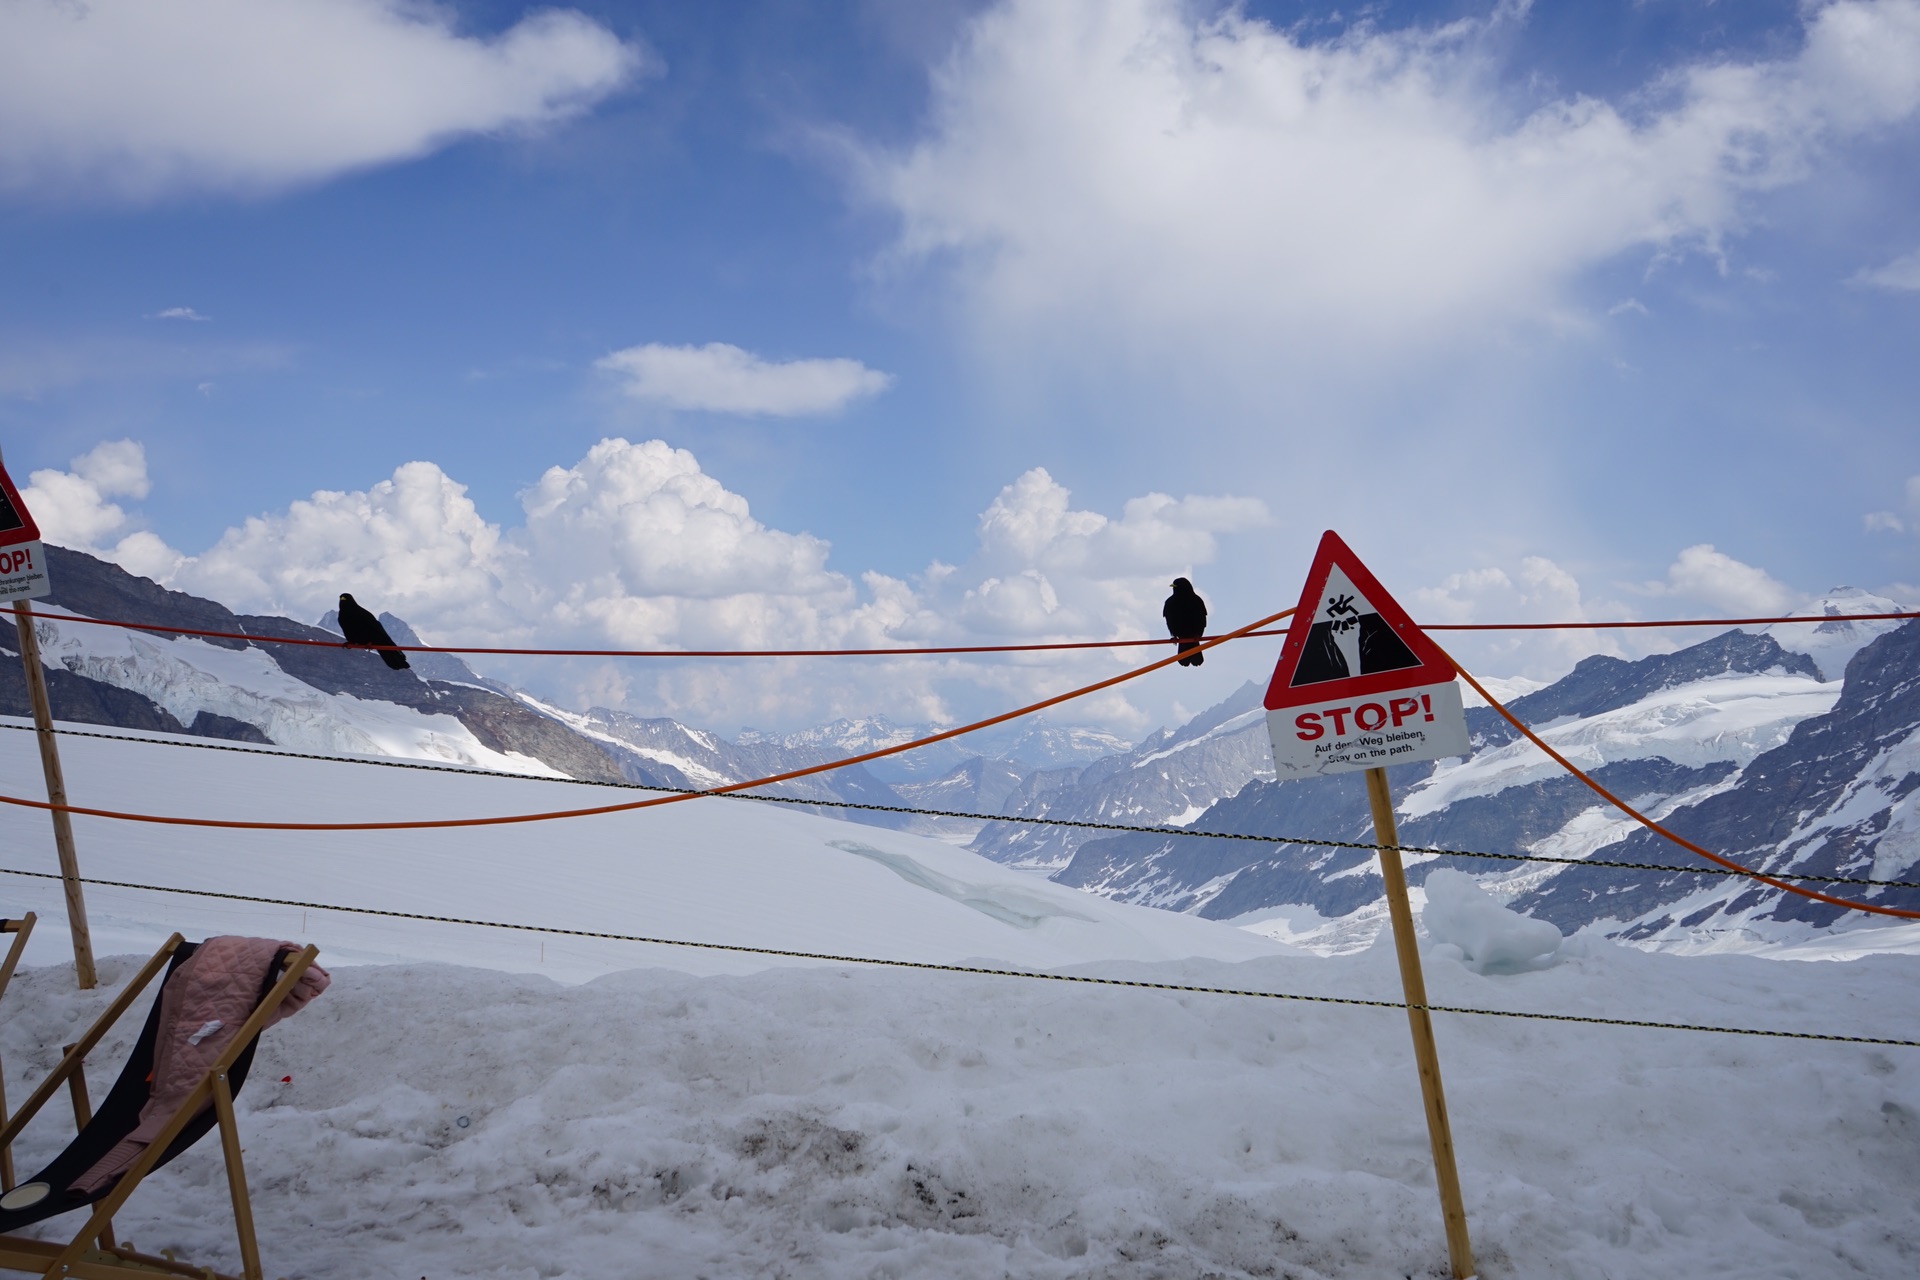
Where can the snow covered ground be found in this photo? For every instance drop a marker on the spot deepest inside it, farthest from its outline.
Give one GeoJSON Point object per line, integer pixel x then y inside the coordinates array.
{"type": "Point", "coordinates": [469, 1102]}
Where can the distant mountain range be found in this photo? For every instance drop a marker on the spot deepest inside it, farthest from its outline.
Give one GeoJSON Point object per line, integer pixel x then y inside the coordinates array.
{"type": "Point", "coordinates": [1797, 747]}
{"type": "Point", "coordinates": [1794, 749]}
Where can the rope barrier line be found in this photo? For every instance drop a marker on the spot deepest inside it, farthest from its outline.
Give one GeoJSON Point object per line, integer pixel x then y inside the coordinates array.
{"type": "Point", "coordinates": [1663, 831]}
{"type": "Point", "coordinates": [909, 652]}
{"type": "Point", "coordinates": [1664, 622]}
{"type": "Point", "coordinates": [1040, 821]}
{"type": "Point", "coordinates": [672, 798]}
{"type": "Point", "coordinates": [934, 967]}
{"type": "Point", "coordinates": [203, 633]}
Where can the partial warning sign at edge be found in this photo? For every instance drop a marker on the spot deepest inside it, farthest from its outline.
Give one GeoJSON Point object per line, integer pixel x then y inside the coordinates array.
{"type": "Point", "coordinates": [1358, 685]}
{"type": "Point", "coordinates": [23, 560]}
{"type": "Point", "coordinates": [16, 522]}
{"type": "Point", "coordinates": [23, 572]}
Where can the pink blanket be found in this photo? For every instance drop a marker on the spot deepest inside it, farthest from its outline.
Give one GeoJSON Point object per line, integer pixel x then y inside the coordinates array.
{"type": "Point", "coordinates": [202, 1008]}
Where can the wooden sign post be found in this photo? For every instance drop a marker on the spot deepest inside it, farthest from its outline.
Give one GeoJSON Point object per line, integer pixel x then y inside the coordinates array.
{"type": "Point", "coordinates": [1453, 1210]}
{"type": "Point", "coordinates": [1358, 687]}
{"type": "Point", "coordinates": [23, 577]}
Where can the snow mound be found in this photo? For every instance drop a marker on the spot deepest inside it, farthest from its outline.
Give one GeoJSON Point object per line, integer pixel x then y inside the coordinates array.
{"type": "Point", "coordinates": [1489, 937]}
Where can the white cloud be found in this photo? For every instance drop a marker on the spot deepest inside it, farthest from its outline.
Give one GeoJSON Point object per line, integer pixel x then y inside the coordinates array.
{"type": "Point", "coordinates": [1712, 577]}
{"type": "Point", "coordinates": [636, 543]}
{"type": "Point", "coordinates": [1133, 168]}
{"type": "Point", "coordinates": [75, 509]}
{"type": "Point", "coordinates": [1537, 589]}
{"type": "Point", "coordinates": [723, 378]}
{"type": "Point", "coordinates": [180, 313]}
{"type": "Point", "coordinates": [1902, 275]}
{"type": "Point", "coordinates": [414, 542]}
{"type": "Point", "coordinates": [635, 546]}
{"type": "Point", "coordinates": [140, 99]}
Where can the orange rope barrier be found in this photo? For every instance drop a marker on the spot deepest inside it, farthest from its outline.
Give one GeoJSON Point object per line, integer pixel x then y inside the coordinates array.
{"type": "Point", "coordinates": [1662, 622]}
{"type": "Point", "coordinates": [1660, 830]}
{"type": "Point", "coordinates": [731, 787]}
{"type": "Point", "coordinates": [612, 653]}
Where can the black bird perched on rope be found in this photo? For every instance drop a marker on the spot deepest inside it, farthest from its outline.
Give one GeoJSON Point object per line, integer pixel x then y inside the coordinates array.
{"type": "Point", "coordinates": [361, 627]}
{"type": "Point", "coordinates": [1186, 615]}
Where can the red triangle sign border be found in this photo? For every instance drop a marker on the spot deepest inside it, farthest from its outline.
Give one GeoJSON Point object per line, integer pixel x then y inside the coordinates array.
{"type": "Point", "coordinates": [26, 530]}
{"type": "Point", "coordinates": [1430, 666]}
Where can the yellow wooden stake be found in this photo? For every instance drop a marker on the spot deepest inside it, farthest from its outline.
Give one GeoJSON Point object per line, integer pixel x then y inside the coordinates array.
{"type": "Point", "coordinates": [56, 794]}
{"type": "Point", "coordinates": [1453, 1211]}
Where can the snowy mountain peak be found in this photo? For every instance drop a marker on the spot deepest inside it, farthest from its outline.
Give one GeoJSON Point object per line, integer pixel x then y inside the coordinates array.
{"type": "Point", "coordinates": [1832, 644]}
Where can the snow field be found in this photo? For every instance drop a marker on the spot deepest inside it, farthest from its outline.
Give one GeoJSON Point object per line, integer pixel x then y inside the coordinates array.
{"type": "Point", "coordinates": [849, 1123]}
{"type": "Point", "coordinates": [672, 1113]}
{"type": "Point", "coordinates": [709, 870]}
{"type": "Point", "coordinates": [1730, 717]}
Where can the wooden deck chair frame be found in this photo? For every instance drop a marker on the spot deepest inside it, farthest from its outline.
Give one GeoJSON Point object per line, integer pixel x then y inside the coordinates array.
{"type": "Point", "coordinates": [92, 1254]}
{"type": "Point", "coordinates": [21, 929]}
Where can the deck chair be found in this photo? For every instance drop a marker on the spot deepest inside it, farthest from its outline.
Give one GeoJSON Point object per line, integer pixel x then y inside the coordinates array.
{"type": "Point", "coordinates": [93, 1253]}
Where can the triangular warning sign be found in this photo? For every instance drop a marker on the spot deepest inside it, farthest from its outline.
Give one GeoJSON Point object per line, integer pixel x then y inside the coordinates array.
{"type": "Point", "coordinates": [16, 522]}
{"type": "Point", "coordinates": [1349, 638]}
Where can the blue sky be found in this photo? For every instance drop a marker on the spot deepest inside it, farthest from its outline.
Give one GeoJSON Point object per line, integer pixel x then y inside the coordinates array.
{"type": "Point", "coordinates": [963, 321]}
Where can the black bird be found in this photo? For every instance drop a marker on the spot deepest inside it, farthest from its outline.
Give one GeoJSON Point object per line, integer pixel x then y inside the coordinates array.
{"type": "Point", "coordinates": [361, 627]}
{"type": "Point", "coordinates": [1186, 615]}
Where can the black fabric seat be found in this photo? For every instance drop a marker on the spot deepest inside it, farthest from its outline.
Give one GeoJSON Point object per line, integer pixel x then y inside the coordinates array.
{"type": "Point", "coordinates": [120, 1113]}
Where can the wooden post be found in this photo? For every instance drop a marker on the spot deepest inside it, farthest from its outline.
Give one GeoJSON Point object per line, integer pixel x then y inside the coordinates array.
{"type": "Point", "coordinates": [1453, 1211]}
{"type": "Point", "coordinates": [56, 794]}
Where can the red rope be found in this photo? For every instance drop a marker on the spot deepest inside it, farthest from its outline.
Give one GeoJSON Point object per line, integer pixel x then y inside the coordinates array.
{"type": "Point", "coordinates": [657, 801]}
{"type": "Point", "coordinates": [906, 652]}
{"type": "Point", "coordinates": [1664, 622]}
{"type": "Point", "coordinates": [1661, 830]}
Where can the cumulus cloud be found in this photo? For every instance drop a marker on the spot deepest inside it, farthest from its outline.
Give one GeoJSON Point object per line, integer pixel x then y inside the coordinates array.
{"type": "Point", "coordinates": [1137, 166]}
{"type": "Point", "coordinates": [636, 546]}
{"type": "Point", "coordinates": [1537, 589]}
{"type": "Point", "coordinates": [1713, 577]}
{"type": "Point", "coordinates": [636, 543]}
{"type": "Point", "coordinates": [722, 378]}
{"type": "Point", "coordinates": [141, 99]}
{"type": "Point", "coordinates": [1044, 568]}
{"type": "Point", "coordinates": [75, 508]}
{"type": "Point", "coordinates": [415, 542]}
{"type": "Point", "coordinates": [1902, 275]}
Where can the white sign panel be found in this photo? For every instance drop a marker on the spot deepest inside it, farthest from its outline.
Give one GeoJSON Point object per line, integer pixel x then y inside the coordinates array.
{"type": "Point", "coordinates": [23, 572]}
{"type": "Point", "coordinates": [1343, 734]}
